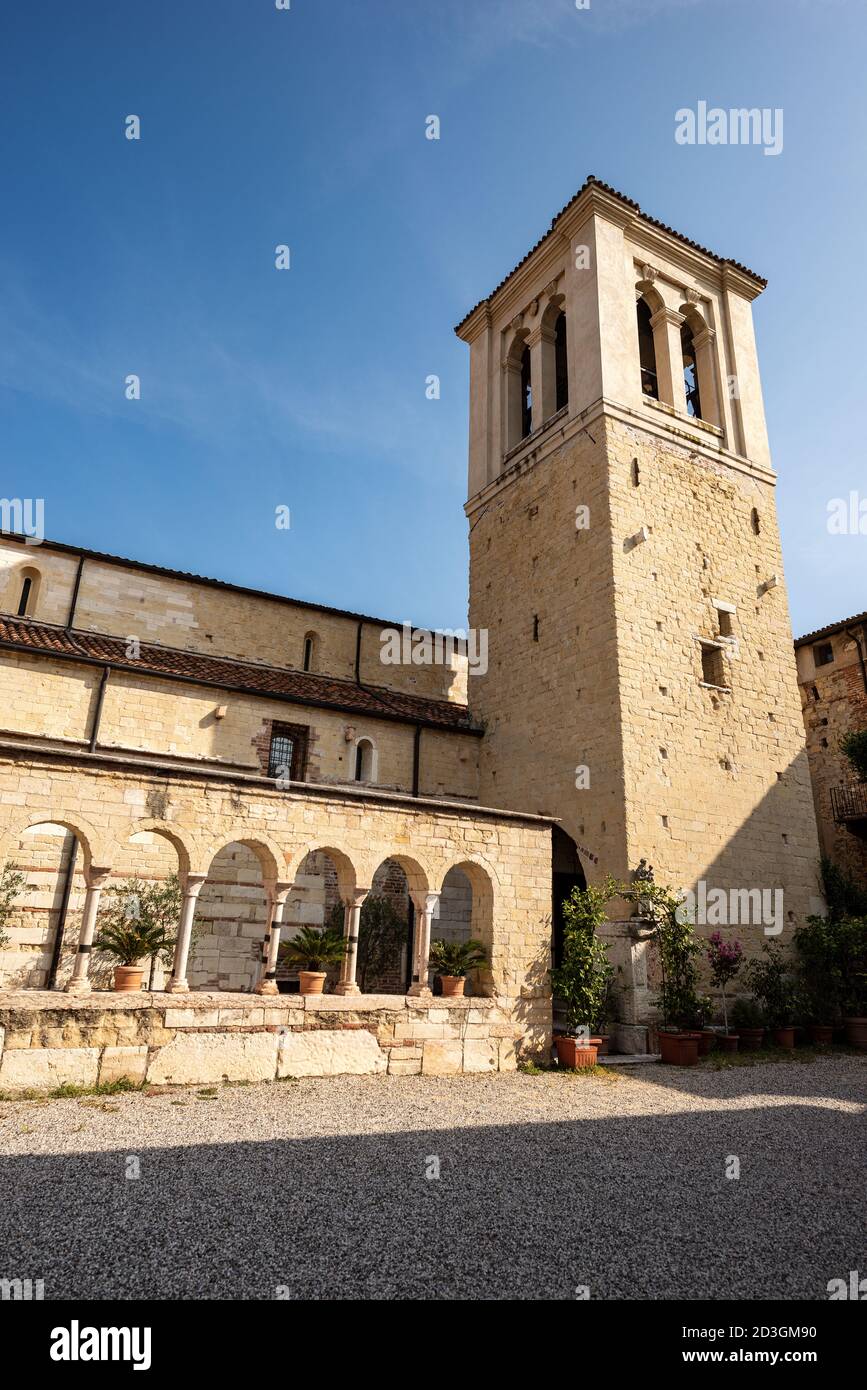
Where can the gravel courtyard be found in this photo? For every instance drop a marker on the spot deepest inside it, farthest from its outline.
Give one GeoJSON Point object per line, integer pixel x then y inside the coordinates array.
{"type": "Point", "coordinates": [321, 1188]}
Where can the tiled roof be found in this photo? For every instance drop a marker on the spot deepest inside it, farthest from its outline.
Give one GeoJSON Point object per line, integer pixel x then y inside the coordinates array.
{"type": "Point", "coordinates": [831, 629]}
{"type": "Point", "coordinates": [299, 687]}
{"type": "Point", "coordinates": [592, 182]}
{"type": "Point", "coordinates": [105, 558]}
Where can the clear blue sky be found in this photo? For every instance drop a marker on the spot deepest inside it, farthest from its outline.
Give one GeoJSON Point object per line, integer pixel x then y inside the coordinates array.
{"type": "Point", "coordinates": [306, 388]}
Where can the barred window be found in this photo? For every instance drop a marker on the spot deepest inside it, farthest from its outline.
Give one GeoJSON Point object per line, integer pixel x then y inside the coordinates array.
{"type": "Point", "coordinates": [287, 754]}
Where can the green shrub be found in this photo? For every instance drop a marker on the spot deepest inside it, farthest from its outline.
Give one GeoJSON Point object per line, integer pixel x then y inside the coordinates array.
{"type": "Point", "coordinates": [853, 746]}
{"type": "Point", "coordinates": [583, 979]}
{"type": "Point", "coordinates": [746, 1013]}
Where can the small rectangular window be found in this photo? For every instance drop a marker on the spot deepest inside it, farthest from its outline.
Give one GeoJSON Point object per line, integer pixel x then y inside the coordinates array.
{"type": "Point", "coordinates": [823, 654]}
{"type": "Point", "coordinates": [287, 754]}
{"type": "Point", "coordinates": [724, 622]}
{"type": "Point", "coordinates": [713, 669]}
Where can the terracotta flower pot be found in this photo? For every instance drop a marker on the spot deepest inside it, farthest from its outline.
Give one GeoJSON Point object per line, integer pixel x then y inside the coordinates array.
{"type": "Point", "coordinates": [311, 981]}
{"type": "Point", "coordinates": [453, 986]}
{"type": "Point", "coordinates": [679, 1049]}
{"type": "Point", "coordinates": [576, 1052]}
{"type": "Point", "coordinates": [751, 1038]}
{"type": "Point", "coordinates": [728, 1041]}
{"type": "Point", "coordinates": [128, 978]}
{"type": "Point", "coordinates": [604, 1042]}
{"type": "Point", "coordinates": [784, 1037]}
{"type": "Point", "coordinates": [856, 1032]}
{"type": "Point", "coordinates": [821, 1034]}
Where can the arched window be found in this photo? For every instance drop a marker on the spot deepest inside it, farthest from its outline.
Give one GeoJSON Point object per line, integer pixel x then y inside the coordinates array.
{"type": "Point", "coordinates": [690, 372]}
{"type": "Point", "coordinates": [647, 351]}
{"type": "Point", "coordinates": [561, 371]}
{"type": "Point", "coordinates": [28, 593]}
{"type": "Point", "coordinates": [526, 394]}
{"type": "Point", "coordinates": [310, 644]}
{"type": "Point", "coordinates": [365, 761]}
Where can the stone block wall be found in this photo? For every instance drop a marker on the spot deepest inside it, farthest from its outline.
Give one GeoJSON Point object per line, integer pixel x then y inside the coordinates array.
{"type": "Point", "coordinates": [48, 1041]}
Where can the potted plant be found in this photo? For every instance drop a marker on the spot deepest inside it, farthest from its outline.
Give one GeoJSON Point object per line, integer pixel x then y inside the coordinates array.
{"type": "Point", "coordinates": [772, 984]}
{"type": "Point", "coordinates": [681, 1006]}
{"type": "Point", "coordinates": [582, 981]}
{"type": "Point", "coordinates": [310, 951]}
{"type": "Point", "coordinates": [725, 959]}
{"type": "Point", "coordinates": [852, 935]}
{"type": "Point", "coordinates": [128, 941]}
{"type": "Point", "coordinates": [748, 1022]}
{"type": "Point", "coordinates": [817, 943]}
{"type": "Point", "coordinates": [453, 961]}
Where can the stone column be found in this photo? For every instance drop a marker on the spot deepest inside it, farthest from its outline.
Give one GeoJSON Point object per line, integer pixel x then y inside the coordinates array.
{"type": "Point", "coordinates": [543, 377]}
{"type": "Point", "coordinates": [425, 906]}
{"type": "Point", "coordinates": [95, 880]}
{"type": "Point", "coordinates": [192, 888]}
{"type": "Point", "coordinates": [706, 376]}
{"type": "Point", "coordinates": [277, 895]}
{"type": "Point", "coordinates": [351, 925]}
{"type": "Point", "coordinates": [669, 357]}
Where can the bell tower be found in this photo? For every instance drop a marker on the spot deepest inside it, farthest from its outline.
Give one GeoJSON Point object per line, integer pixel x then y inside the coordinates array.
{"type": "Point", "coordinates": [625, 560]}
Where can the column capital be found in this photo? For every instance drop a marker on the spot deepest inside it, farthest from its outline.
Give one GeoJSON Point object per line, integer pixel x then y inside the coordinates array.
{"type": "Point", "coordinates": [666, 315]}
{"type": "Point", "coordinates": [425, 902]}
{"type": "Point", "coordinates": [356, 897]}
{"type": "Point", "coordinates": [193, 884]}
{"type": "Point", "coordinates": [96, 875]}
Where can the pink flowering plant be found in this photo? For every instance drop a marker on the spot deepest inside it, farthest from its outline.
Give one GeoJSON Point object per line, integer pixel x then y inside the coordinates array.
{"type": "Point", "coordinates": [725, 959]}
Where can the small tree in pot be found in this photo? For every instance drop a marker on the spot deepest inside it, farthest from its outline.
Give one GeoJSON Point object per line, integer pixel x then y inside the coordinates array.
{"type": "Point", "coordinates": [453, 961]}
{"type": "Point", "coordinates": [725, 959]}
{"type": "Point", "coordinates": [852, 937]}
{"type": "Point", "coordinates": [311, 951]}
{"type": "Point", "coordinates": [583, 980]}
{"type": "Point", "coordinates": [773, 985]}
{"type": "Point", "coordinates": [817, 942]}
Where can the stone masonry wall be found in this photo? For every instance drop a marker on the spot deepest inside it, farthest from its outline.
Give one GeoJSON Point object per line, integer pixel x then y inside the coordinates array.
{"type": "Point", "coordinates": [49, 1040]}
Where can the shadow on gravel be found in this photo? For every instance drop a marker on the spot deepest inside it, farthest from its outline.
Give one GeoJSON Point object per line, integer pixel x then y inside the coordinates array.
{"type": "Point", "coordinates": [814, 1079]}
{"type": "Point", "coordinates": [634, 1208]}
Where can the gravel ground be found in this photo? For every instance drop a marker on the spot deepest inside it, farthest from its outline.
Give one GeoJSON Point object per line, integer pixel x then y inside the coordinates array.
{"type": "Point", "coordinates": [318, 1188]}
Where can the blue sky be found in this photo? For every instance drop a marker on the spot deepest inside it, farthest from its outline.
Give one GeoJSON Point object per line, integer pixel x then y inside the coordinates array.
{"type": "Point", "coordinates": [306, 388]}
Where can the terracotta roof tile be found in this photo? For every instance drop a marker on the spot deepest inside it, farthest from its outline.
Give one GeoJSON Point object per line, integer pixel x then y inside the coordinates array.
{"type": "Point", "coordinates": [300, 687]}
{"type": "Point", "coordinates": [831, 629]}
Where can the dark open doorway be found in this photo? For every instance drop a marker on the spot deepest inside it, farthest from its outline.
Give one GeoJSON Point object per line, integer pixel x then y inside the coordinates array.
{"type": "Point", "coordinates": [566, 874]}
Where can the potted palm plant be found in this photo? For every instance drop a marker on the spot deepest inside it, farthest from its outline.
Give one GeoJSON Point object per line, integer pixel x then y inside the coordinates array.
{"type": "Point", "coordinates": [583, 979]}
{"type": "Point", "coordinates": [129, 941]}
{"type": "Point", "coordinates": [453, 961]}
{"type": "Point", "coordinates": [310, 951]}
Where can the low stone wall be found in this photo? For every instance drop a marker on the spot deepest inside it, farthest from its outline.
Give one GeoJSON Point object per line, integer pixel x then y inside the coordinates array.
{"type": "Point", "coordinates": [49, 1039]}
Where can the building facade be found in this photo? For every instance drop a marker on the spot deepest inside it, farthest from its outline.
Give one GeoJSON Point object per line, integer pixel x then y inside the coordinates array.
{"type": "Point", "coordinates": [639, 699]}
{"type": "Point", "coordinates": [832, 672]}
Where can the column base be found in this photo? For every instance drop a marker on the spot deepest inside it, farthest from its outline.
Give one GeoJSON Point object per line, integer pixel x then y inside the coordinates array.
{"type": "Point", "coordinates": [347, 989]}
{"type": "Point", "coordinates": [420, 992]}
{"type": "Point", "coordinates": [266, 987]}
{"type": "Point", "coordinates": [177, 987]}
{"type": "Point", "coordinates": [79, 987]}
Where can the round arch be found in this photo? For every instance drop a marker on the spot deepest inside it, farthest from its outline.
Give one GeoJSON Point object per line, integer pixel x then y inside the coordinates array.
{"type": "Point", "coordinates": [96, 849]}
{"type": "Point", "coordinates": [271, 856]}
{"type": "Point", "coordinates": [347, 878]}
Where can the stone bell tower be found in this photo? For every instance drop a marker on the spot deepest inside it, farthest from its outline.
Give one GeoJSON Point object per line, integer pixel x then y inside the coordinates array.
{"type": "Point", "coordinates": [625, 560]}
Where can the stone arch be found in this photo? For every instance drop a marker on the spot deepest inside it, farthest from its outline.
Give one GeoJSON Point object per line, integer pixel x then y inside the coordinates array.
{"type": "Point", "coordinates": [192, 859]}
{"type": "Point", "coordinates": [27, 597]}
{"type": "Point", "coordinates": [483, 886]}
{"type": "Point", "coordinates": [554, 385]}
{"type": "Point", "coordinates": [347, 877]}
{"type": "Point", "coordinates": [698, 334]}
{"type": "Point", "coordinates": [271, 856]}
{"type": "Point", "coordinates": [517, 382]}
{"type": "Point", "coordinates": [651, 341]}
{"type": "Point", "coordinates": [97, 849]}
